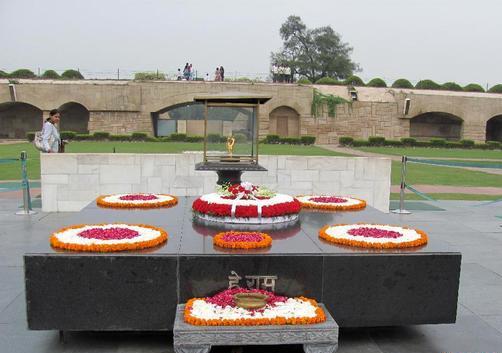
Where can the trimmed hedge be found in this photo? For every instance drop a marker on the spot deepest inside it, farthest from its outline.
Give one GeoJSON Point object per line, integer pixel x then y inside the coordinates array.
{"type": "Point", "coordinates": [22, 73]}
{"type": "Point", "coordinates": [290, 140]}
{"type": "Point", "coordinates": [139, 136]}
{"type": "Point", "coordinates": [30, 136]}
{"type": "Point", "coordinates": [177, 137]}
{"type": "Point", "coordinates": [354, 81]}
{"type": "Point", "coordinates": [496, 89]}
{"type": "Point", "coordinates": [451, 86]}
{"type": "Point", "coordinates": [68, 135]}
{"type": "Point", "coordinates": [467, 143]}
{"type": "Point", "coordinates": [72, 75]}
{"type": "Point", "coordinates": [402, 83]}
{"type": "Point", "coordinates": [473, 87]}
{"type": "Point", "coordinates": [377, 82]}
{"type": "Point", "coordinates": [149, 76]}
{"type": "Point", "coordinates": [101, 135]}
{"type": "Point", "coordinates": [214, 138]}
{"type": "Point", "coordinates": [328, 81]}
{"type": "Point", "coordinates": [194, 139]}
{"type": "Point", "coordinates": [437, 142]}
{"type": "Point", "coordinates": [408, 141]}
{"type": "Point", "coordinates": [50, 74]}
{"type": "Point", "coordinates": [239, 137]}
{"type": "Point", "coordinates": [427, 84]}
{"type": "Point", "coordinates": [493, 144]}
{"type": "Point", "coordinates": [120, 138]}
{"type": "Point", "coordinates": [345, 140]}
{"type": "Point", "coordinates": [376, 140]}
{"type": "Point", "coordinates": [304, 81]}
{"type": "Point", "coordinates": [84, 137]}
{"type": "Point", "coordinates": [271, 139]}
{"type": "Point", "coordinates": [307, 140]}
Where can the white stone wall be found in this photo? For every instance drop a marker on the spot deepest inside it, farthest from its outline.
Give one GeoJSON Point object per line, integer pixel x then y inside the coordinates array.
{"type": "Point", "coordinates": [71, 180]}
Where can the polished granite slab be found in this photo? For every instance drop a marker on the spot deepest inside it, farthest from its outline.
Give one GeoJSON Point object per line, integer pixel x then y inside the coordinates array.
{"type": "Point", "coordinates": [361, 287]}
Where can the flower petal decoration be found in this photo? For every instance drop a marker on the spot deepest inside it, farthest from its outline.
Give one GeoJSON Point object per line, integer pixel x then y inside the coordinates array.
{"type": "Point", "coordinates": [331, 202]}
{"type": "Point", "coordinates": [379, 236]}
{"type": "Point", "coordinates": [139, 200]}
{"type": "Point", "coordinates": [242, 240]}
{"type": "Point", "coordinates": [108, 237]}
{"type": "Point", "coordinates": [221, 310]}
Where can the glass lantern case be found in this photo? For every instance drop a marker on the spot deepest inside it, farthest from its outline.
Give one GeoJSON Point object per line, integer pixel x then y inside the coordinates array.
{"type": "Point", "coordinates": [231, 126]}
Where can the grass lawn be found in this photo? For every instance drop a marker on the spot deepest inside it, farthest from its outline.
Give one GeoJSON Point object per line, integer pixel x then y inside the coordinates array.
{"type": "Point", "coordinates": [12, 171]}
{"type": "Point", "coordinates": [432, 175]}
{"type": "Point", "coordinates": [447, 196]}
{"type": "Point", "coordinates": [435, 152]}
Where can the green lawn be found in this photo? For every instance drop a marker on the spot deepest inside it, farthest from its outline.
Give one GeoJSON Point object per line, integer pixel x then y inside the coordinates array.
{"type": "Point", "coordinates": [447, 196]}
{"type": "Point", "coordinates": [435, 152]}
{"type": "Point", "coordinates": [12, 171]}
{"type": "Point", "coordinates": [432, 175]}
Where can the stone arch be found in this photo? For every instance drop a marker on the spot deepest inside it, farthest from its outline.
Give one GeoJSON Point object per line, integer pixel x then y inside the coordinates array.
{"type": "Point", "coordinates": [436, 125]}
{"type": "Point", "coordinates": [74, 117]}
{"type": "Point", "coordinates": [284, 121]}
{"type": "Point", "coordinates": [494, 129]}
{"type": "Point", "coordinates": [186, 118]}
{"type": "Point", "coordinates": [19, 118]}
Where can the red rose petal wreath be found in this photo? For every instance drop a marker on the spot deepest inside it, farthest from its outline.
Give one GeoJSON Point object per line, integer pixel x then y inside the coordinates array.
{"type": "Point", "coordinates": [139, 200]}
{"type": "Point", "coordinates": [242, 240]}
{"type": "Point", "coordinates": [331, 203]}
{"type": "Point", "coordinates": [377, 236]}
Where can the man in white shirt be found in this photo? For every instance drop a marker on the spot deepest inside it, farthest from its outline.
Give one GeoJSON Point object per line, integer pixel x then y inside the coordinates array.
{"type": "Point", "coordinates": [50, 135]}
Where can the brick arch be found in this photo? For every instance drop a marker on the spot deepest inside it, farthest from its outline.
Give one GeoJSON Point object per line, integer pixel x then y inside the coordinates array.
{"type": "Point", "coordinates": [19, 118]}
{"type": "Point", "coordinates": [494, 128]}
{"type": "Point", "coordinates": [74, 117]}
{"type": "Point", "coordinates": [284, 121]}
{"type": "Point", "coordinates": [436, 125]}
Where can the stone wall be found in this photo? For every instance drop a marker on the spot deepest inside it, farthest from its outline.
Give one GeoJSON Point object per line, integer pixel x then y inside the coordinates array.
{"type": "Point", "coordinates": [70, 181]}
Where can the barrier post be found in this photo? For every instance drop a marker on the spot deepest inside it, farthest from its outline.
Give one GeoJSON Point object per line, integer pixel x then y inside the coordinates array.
{"type": "Point", "coordinates": [401, 209]}
{"type": "Point", "coordinates": [25, 184]}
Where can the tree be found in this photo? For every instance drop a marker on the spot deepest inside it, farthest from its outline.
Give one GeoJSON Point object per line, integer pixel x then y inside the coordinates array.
{"type": "Point", "coordinates": [313, 53]}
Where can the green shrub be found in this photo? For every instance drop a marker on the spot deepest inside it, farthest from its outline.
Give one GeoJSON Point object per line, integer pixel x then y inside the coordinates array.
{"type": "Point", "coordinates": [149, 75]}
{"type": "Point", "coordinates": [427, 84]}
{"type": "Point", "coordinates": [194, 139]}
{"type": "Point", "coordinates": [422, 144]}
{"type": "Point", "coordinates": [467, 143]}
{"type": "Point", "coordinates": [51, 74]}
{"type": "Point", "coordinates": [473, 87]}
{"type": "Point", "coordinates": [496, 89]}
{"type": "Point", "coordinates": [68, 135]}
{"type": "Point", "coordinates": [376, 141]}
{"type": "Point", "coordinates": [402, 83]}
{"type": "Point", "coordinates": [4, 74]}
{"type": "Point", "coordinates": [304, 81]}
{"type": "Point", "coordinates": [151, 139]}
{"type": "Point", "coordinates": [377, 82]}
{"type": "Point", "coordinates": [408, 141]}
{"type": "Point", "coordinates": [493, 144]}
{"type": "Point", "coordinates": [271, 139]}
{"type": "Point", "coordinates": [177, 137]}
{"type": "Point", "coordinates": [451, 86]}
{"type": "Point", "coordinates": [360, 143]}
{"type": "Point", "coordinates": [328, 81]}
{"type": "Point", "coordinates": [72, 75]}
{"type": "Point", "coordinates": [290, 140]}
{"type": "Point", "coordinates": [120, 138]}
{"type": "Point", "coordinates": [307, 140]}
{"type": "Point", "coordinates": [240, 137]}
{"type": "Point", "coordinates": [345, 140]}
{"type": "Point", "coordinates": [453, 144]}
{"type": "Point", "coordinates": [393, 143]}
{"type": "Point", "coordinates": [30, 136]}
{"type": "Point", "coordinates": [101, 135]}
{"type": "Point", "coordinates": [354, 81]}
{"type": "Point", "coordinates": [139, 136]}
{"type": "Point", "coordinates": [83, 137]}
{"type": "Point", "coordinates": [164, 139]}
{"type": "Point", "coordinates": [22, 73]}
{"type": "Point", "coordinates": [214, 138]}
{"type": "Point", "coordinates": [437, 142]}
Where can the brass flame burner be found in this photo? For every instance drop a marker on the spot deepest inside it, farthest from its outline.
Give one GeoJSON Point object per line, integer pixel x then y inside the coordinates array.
{"type": "Point", "coordinates": [250, 300]}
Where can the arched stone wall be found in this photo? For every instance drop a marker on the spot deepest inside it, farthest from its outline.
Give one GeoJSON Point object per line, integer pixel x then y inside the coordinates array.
{"type": "Point", "coordinates": [18, 118]}
{"type": "Point", "coordinates": [285, 122]}
{"type": "Point", "coordinates": [436, 125]}
{"type": "Point", "coordinates": [494, 129]}
{"type": "Point", "coordinates": [74, 117]}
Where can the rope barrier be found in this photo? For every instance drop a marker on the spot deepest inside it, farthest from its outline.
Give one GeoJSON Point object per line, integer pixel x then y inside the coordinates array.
{"type": "Point", "coordinates": [8, 160]}
{"type": "Point", "coordinates": [455, 163]}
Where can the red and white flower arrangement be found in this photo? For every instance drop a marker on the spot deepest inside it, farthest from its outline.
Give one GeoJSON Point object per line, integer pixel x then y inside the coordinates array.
{"type": "Point", "coordinates": [221, 310]}
{"type": "Point", "coordinates": [246, 203]}
{"type": "Point", "coordinates": [139, 200]}
{"type": "Point", "coordinates": [242, 240]}
{"type": "Point", "coordinates": [378, 236]}
{"type": "Point", "coordinates": [332, 203]}
{"type": "Point", "coordinates": [108, 237]}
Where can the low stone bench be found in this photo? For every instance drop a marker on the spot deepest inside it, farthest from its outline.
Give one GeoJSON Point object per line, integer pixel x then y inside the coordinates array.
{"type": "Point", "coordinates": [316, 338]}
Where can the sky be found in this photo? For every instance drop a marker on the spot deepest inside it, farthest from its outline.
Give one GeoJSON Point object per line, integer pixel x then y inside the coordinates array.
{"type": "Point", "coordinates": [454, 40]}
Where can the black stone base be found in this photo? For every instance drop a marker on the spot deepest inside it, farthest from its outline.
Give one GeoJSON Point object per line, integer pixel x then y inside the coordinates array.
{"type": "Point", "coordinates": [140, 290]}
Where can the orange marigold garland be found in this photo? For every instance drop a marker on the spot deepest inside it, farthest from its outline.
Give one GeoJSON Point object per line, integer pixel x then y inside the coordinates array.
{"type": "Point", "coordinates": [377, 236]}
{"type": "Point", "coordinates": [220, 310]}
{"type": "Point", "coordinates": [242, 240]}
{"type": "Point", "coordinates": [108, 237]}
{"type": "Point", "coordinates": [139, 200]}
{"type": "Point", "coordinates": [331, 203]}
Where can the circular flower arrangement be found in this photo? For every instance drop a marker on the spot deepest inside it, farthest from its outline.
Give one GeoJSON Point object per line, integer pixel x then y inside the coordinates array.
{"type": "Point", "coordinates": [334, 203]}
{"type": "Point", "coordinates": [108, 237]}
{"type": "Point", "coordinates": [373, 236]}
{"type": "Point", "coordinates": [242, 240]}
{"type": "Point", "coordinates": [136, 200]}
{"type": "Point", "coordinates": [221, 310]}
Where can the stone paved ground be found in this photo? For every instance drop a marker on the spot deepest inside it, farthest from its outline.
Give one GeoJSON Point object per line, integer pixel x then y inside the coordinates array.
{"type": "Point", "coordinates": [470, 227]}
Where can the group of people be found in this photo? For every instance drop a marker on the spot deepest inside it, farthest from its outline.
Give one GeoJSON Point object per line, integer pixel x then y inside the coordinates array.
{"type": "Point", "coordinates": [189, 74]}
{"type": "Point", "coordinates": [219, 74]}
{"type": "Point", "coordinates": [281, 73]}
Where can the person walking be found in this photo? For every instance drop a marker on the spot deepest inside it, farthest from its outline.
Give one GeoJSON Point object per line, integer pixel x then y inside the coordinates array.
{"type": "Point", "coordinates": [222, 73]}
{"type": "Point", "coordinates": [179, 75]}
{"type": "Point", "coordinates": [186, 72]}
{"type": "Point", "coordinates": [51, 141]}
{"type": "Point", "coordinates": [217, 76]}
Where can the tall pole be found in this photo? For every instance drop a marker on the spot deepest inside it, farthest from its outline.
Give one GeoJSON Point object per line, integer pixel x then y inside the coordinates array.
{"type": "Point", "coordinates": [402, 189]}
{"type": "Point", "coordinates": [26, 187]}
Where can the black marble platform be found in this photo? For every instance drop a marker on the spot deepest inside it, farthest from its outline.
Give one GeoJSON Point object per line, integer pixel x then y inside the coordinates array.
{"type": "Point", "coordinates": [140, 290]}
